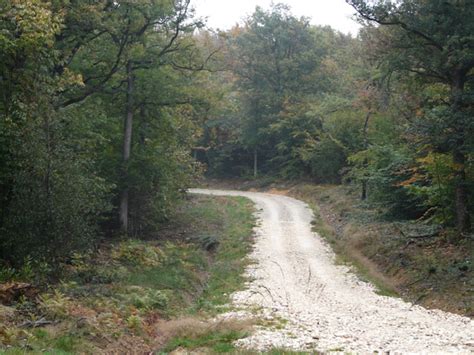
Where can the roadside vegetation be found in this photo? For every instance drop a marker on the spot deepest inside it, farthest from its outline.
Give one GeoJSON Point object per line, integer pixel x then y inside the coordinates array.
{"type": "Point", "coordinates": [146, 294]}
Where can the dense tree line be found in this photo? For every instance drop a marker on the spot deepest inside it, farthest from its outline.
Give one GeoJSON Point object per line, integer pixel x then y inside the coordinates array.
{"type": "Point", "coordinates": [108, 109]}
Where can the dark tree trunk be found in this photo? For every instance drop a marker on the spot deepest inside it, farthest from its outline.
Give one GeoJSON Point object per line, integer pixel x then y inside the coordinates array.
{"type": "Point", "coordinates": [127, 146]}
{"type": "Point", "coordinates": [47, 177]}
{"type": "Point", "coordinates": [461, 198]}
{"type": "Point", "coordinates": [463, 221]}
{"type": "Point", "coordinates": [255, 162]}
{"type": "Point", "coordinates": [363, 195]}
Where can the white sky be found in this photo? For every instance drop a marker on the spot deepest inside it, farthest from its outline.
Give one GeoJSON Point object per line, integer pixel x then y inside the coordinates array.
{"type": "Point", "coordinates": [224, 14]}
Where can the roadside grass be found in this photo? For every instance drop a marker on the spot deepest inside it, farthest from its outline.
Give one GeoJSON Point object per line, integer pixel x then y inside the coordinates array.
{"type": "Point", "coordinates": [230, 260]}
{"type": "Point", "coordinates": [60, 345]}
{"type": "Point", "coordinates": [219, 342]}
{"type": "Point", "coordinates": [211, 337]}
{"type": "Point", "coordinates": [124, 296]}
{"type": "Point", "coordinates": [276, 351]}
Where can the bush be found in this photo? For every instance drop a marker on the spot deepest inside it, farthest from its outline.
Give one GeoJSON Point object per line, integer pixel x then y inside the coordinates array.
{"type": "Point", "coordinates": [55, 200]}
{"type": "Point", "coordinates": [385, 168]}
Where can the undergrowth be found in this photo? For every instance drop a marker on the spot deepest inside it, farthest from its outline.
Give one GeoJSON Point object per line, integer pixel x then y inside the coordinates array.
{"type": "Point", "coordinates": [121, 298]}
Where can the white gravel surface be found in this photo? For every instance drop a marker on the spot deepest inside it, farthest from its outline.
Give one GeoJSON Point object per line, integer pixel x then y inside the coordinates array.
{"type": "Point", "coordinates": [326, 306]}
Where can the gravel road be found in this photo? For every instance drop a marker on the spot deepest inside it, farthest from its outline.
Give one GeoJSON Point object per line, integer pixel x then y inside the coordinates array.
{"type": "Point", "coordinates": [325, 306]}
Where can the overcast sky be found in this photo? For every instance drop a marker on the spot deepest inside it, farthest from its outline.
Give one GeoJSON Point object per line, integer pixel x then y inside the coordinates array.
{"type": "Point", "coordinates": [223, 14]}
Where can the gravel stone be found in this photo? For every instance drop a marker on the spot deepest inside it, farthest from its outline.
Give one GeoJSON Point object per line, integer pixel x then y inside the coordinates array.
{"type": "Point", "coordinates": [326, 306]}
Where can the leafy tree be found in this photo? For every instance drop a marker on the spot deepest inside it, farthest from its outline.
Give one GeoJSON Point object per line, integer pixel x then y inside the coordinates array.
{"type": "Point", "coordinates": [50, 197]}
{"type": "Point", "coordinates": [276, 57]}
{"type": "Point", "coordinates": [69, 73]}
{"type": "Point", "coordinates": [432, 40]}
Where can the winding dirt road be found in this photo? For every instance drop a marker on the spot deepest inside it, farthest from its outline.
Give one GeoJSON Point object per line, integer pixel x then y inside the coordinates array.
{"type": "Point", "coordinates": [327, 307]}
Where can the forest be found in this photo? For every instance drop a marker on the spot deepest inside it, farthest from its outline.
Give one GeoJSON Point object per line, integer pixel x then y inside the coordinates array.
{"type": "Point", "coordinates": [111, 110]}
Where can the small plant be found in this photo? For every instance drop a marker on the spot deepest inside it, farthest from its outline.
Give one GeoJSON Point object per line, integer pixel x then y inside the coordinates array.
{"type": "Point", "coordinates": [145, 299]}
{"type": "Point", "coordinates": [9, 335]}
{"type": "Point", "coordinates": [135, 324]}
{"type": "Point", "coordinates": [55, 305]}
{"type": "Point", "coordinates": [218, 341]}
{"type": "Point", "coordinates": [6, 273]}
{"type": "Point", "coordinates": [30, 271]}
{"type": "Point", "coordinates": [65, 343]}
{"type": "Point", "coordinates": [40, 333]}
{"type": "Point", "coordinates": [137, 253]}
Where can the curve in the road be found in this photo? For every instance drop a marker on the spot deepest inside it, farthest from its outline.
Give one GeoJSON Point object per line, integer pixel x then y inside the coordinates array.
{"type": "Point", "coordinates": [328, 307]}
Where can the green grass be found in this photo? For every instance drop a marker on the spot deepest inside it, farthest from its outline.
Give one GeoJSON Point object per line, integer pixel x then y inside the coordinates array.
{"type": "Point", "coordinates": [189, 270]}
{"type": "Point", "coordinates": [41, 342]}
{"type": "Point", "coordinates": [230, 222]}
{"type": "Point", "coordinates": [216, 341]}
{"type": "Point", "coordinates": [226, 273]}
{"type": "Point", "coordinates": [275, 351]}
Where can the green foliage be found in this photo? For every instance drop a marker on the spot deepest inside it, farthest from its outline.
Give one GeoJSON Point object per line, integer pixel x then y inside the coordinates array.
{"type": "Point", "coordinates": [429, 48]}
{"type": "Point", "coordinates": [307, 102]}
{"type": "Point", "coordinates": [33, 271]}
{"type": "Point", "coordinates": [137, 253]}
{"type": "Point", "coordinates": [145, 299]}
{"type": "Point", "coordinates": [277, 66]}
{"type": "Point", "coordinates": [61, 121]}
{"type": "Point", "coordinates": [83, 268]}
{"type": "Point", "coordinates": [135, 324]}
{"type": "Point", "coordinates": [55, 204]}
{"type": "Point", "coordinates": [434, 183]}
{"type": "Point", "coordinates": [326, 157]}
{"type": "Point", "coordinates": [41, 341]}
{"type": "Point", "coordinates": [385, 168]}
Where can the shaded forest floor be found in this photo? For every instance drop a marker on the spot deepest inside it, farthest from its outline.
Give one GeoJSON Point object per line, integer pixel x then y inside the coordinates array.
{"type": "Point", "coordinates": [137, 296]}
{"type": "Point", "coordinates": [432, 270]}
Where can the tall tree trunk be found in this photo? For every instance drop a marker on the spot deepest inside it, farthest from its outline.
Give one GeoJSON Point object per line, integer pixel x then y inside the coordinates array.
{"type": "Point", "coordinates": [127, 146]}
{"type": "Point", "coordinates": [143, 126]}
{"type": "Point", "coordinates": [255, 162]}
{"type": "Point", "coordinates": [363, 195]}
{"type": "Point", "coordinates": [47, 177]}
{"type": "Point", "coordinates": [463, 222]}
